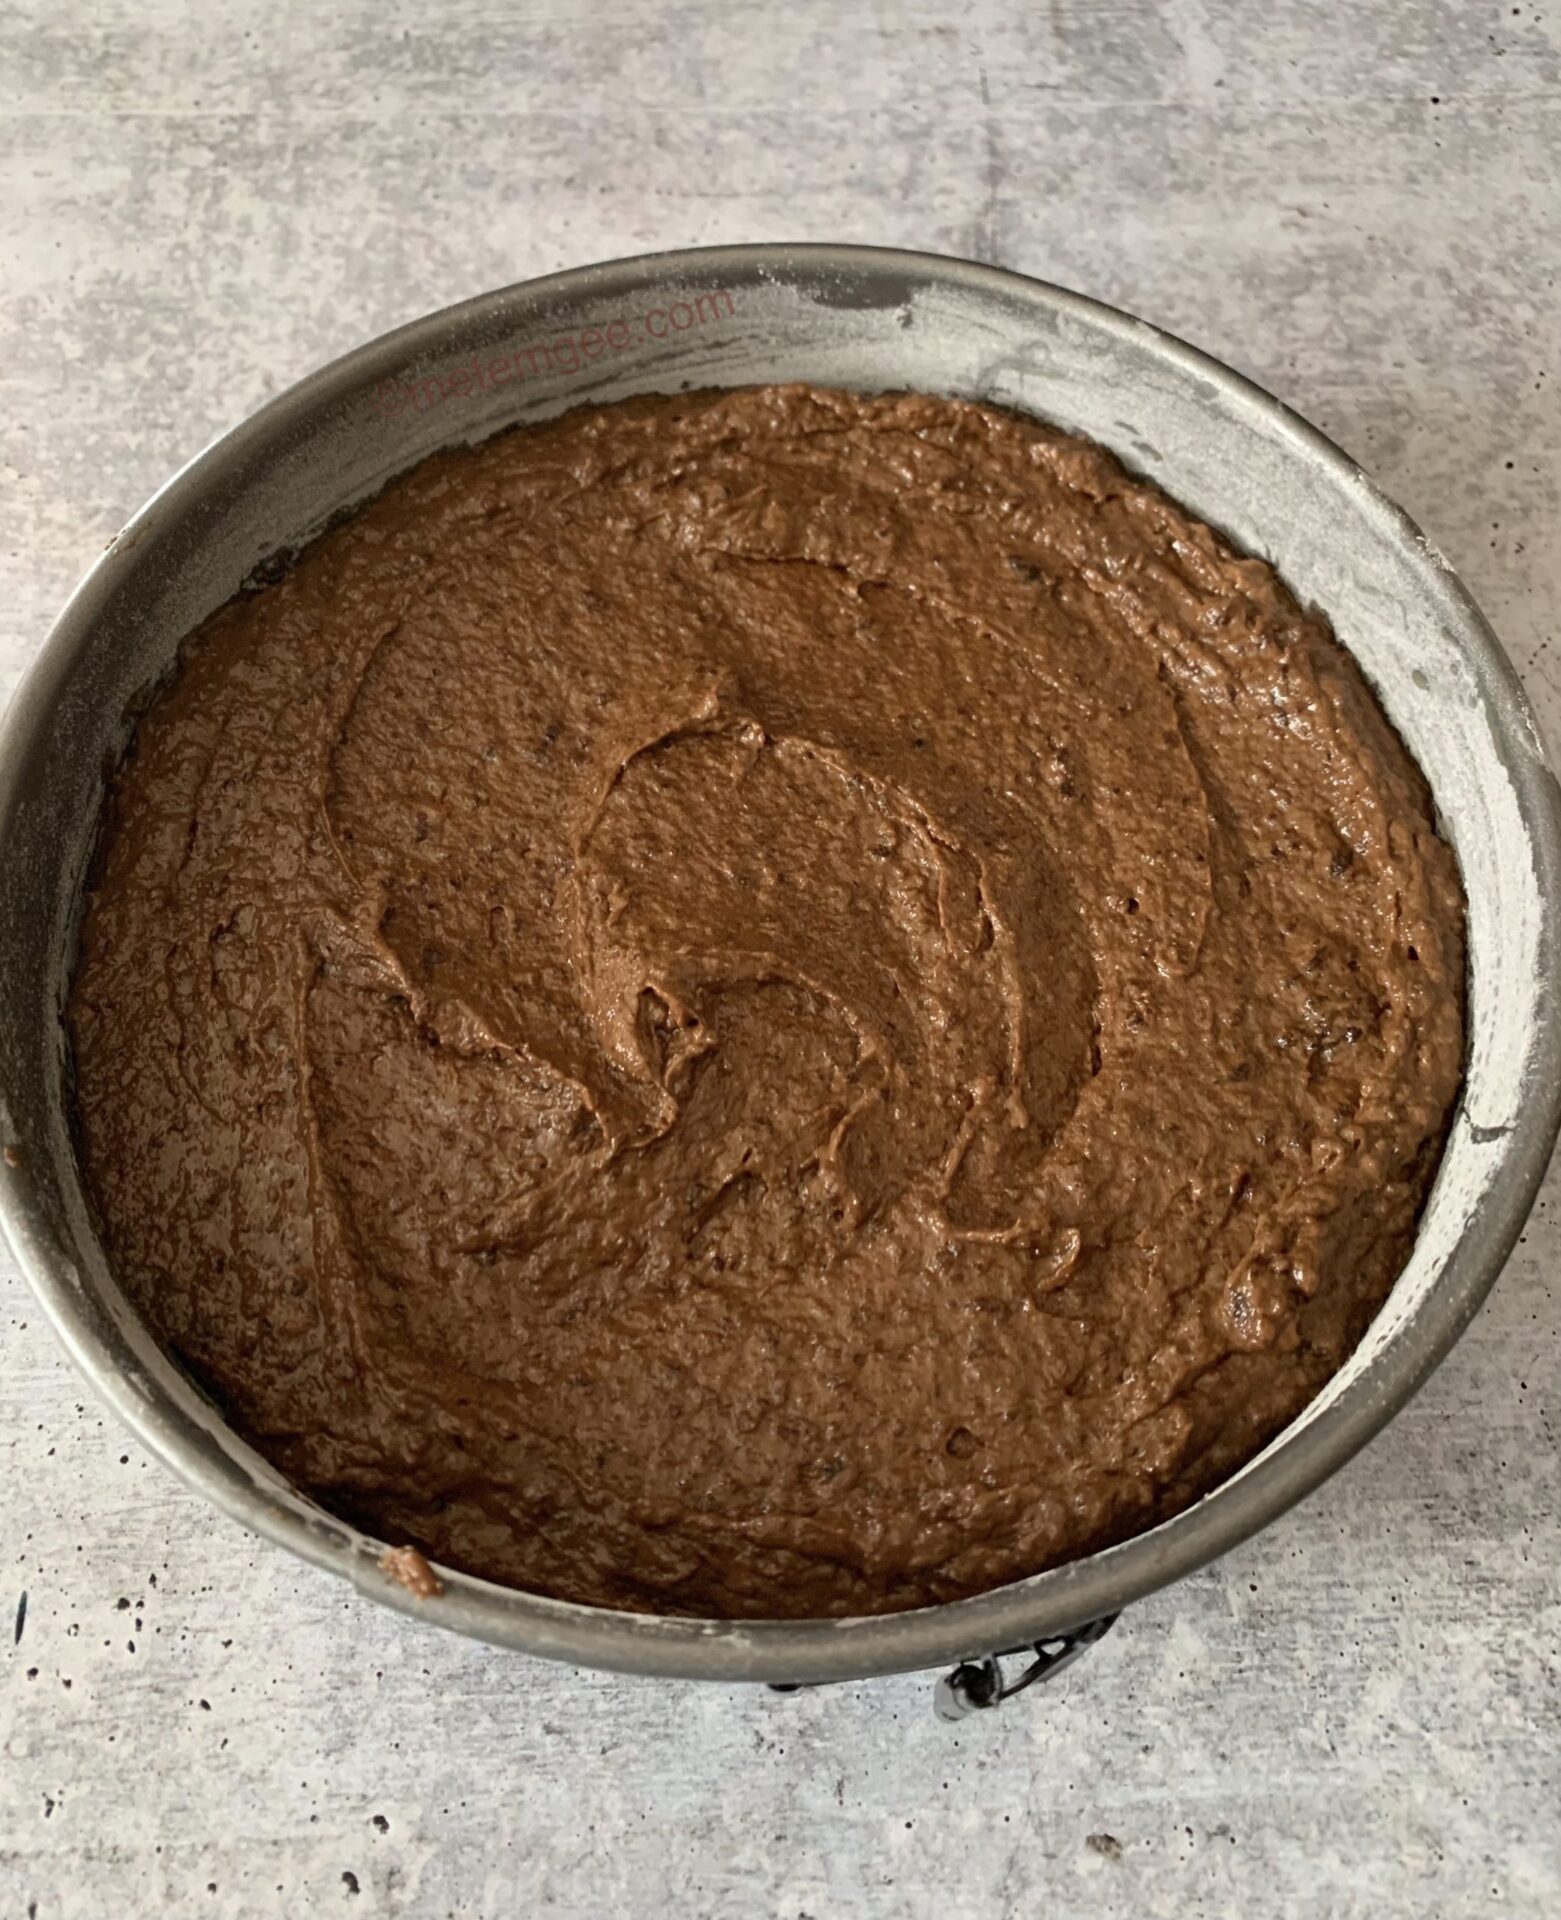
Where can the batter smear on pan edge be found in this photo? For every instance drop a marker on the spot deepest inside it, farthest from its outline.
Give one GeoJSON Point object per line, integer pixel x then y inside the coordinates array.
{"type": "Point", "coordinates": [765, 1003]}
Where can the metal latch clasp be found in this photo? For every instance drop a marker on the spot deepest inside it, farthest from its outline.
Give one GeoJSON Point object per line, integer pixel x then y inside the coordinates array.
{"type": "Point", "coordinates": [976, 1686]}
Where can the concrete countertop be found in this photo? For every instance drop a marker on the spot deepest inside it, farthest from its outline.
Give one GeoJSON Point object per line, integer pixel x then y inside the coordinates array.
{"type": "Point", "coordinates": [1357, 1713]}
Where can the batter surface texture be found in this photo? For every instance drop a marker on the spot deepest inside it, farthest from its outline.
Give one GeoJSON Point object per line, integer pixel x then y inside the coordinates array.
{"type": "Point", "coordinates": [765, 1003]}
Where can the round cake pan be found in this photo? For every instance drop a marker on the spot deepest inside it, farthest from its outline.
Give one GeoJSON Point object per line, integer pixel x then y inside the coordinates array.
{"type": "Point", "coordinates": [840, 316]}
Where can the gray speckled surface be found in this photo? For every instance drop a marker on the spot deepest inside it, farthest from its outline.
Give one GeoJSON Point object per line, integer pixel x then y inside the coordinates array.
{"type": "Point", "coordinates": [1360, 1712]}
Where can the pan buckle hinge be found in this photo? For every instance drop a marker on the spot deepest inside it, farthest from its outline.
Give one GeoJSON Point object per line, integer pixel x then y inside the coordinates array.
{"type": "Point", "coordinates": [976, 1686]}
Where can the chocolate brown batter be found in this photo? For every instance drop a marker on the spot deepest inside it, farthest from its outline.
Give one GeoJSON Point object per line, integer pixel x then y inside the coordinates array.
{"type": "Point", "coordinates": [766, 1003]}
